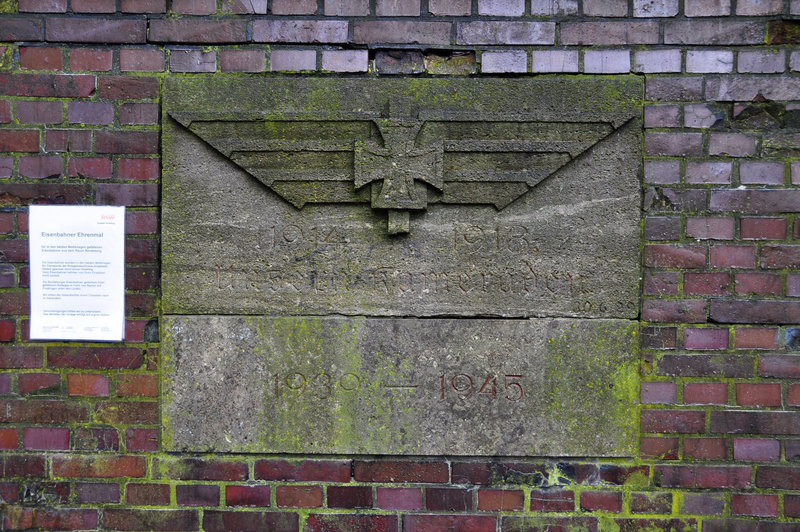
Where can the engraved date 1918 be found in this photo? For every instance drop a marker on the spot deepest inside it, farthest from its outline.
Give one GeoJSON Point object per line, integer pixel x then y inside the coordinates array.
{"type": "Point", "coordinates": [462, 386]}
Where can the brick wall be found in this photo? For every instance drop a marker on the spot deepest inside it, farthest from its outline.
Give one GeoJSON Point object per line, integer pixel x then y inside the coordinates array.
{"type": "Point", "coordinates": [720, 426]}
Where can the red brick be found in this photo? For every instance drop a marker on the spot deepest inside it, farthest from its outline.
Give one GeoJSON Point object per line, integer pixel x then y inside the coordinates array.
{"type": "Point", "coordinates": [130, 195]}
{"type": "Point", "coordinates": [775, 477]}
{"type": "Point", "coordinates": [143, 6]}
{"type": "Point", "coordinates": [45, 438]}
{"type": "Point", "coordinates": [400, 498]}
{"type": "Point", "coordinates": [127, 413]}
{"type": "Point", "coordinates": [758, 284]}
{"type": "Point", "coordinates": [57, 519]}
{"type": "Point", "coordinates": [702, 338]}
{"type": "Point", "coordinates": [705, 393]}
{"type": "Point", "coordinates": [197, 495]}
{"type": "Point", "coordinates": [754, 504]}
{"type": "Point", "coordinates": [41, 167]}
{"type": "Point", "coordinates": [706, 283]}
{"type": "Point", "coordinates": [683, 421]}
{"type": "Point", "coordinates": [87, 385]}
{"type": "Point", "coordinates": [12, 356]}
{"type": "Point", "coordinates": [660, 283]}
{"type": "Point", "coordinates": [756, 449]}
{"type": "Point", "coordinates": [140, 305]}
{"type": "Point", "coordinates": [5, 384]}
{"type": "Point", "coordinates": [298, 496]}
{"type": "Point", "coordinates": [94, 30]}
{"type": "Point", "coordinates": [137, 384]}
{"type": "Point", "coordinates": [495, 500]}
{"type": "Point", "coordinates": [126, 142]}
{"type": "Point", "coordinates": [5, 112]}
{"type": "Point", "coordinates": [140, 169]}
{"type": "Point", "coordinates": [791, 505]}
{"type": "Point", "coordinates": [7, 329]}
{"type": "Point", "coordinates": [22, 140]}
{"type": "Point", "coordinates": [98, 466]}
{"type": "Point", "coordinates": [67, 140]}
{"type": "Point", "coordinates": [651, 503]}
{"type": "Point", "coordinates": [42, 412]}
{"type": "Point", "coordinates": [757, 201]}
{"type": "Point", "coordinates": [678, 311]}
{"type": "Point", "coordinates": [780, 256]}
{"type": "Point", "coordinates": [90, 167]}
{"type": "Point", "coordinates": [710, 228]}
{"type": "Point", "coordinates": [127, 87]}
{"type": "Point", "coordinates": [47, 85]}
{"type": "Point", "coordinates": [309, 7]}
{"type": "Point", "coordinates": [662, 228]}
{"type": "Point", "coordinates": [653, 447]}
{"type": "Point", "coordinates": [94, 357]}
{"type": "Point", "coordinates": [675, 476]}
{"type": "Point", "coordinates": [43, 6]}
{"type": "Point", "coordinates": [723, 256]}
{"type": "Point", "coordinates": [192, 61]}
{"type": "Point", "coordinates": [448, 499]}
{"type": "Point", "coordinates": [199, 31]}
{"type": "Point", "coordinates": [702, 504]}
{"type": "Point", "coordinates": [247, 495]}
{"type": "Point", "coordinates": [772, 311]}
{"type": "Point", "coordinates": [40, 112]}
{"type": "Point", "coordinates": [97, 492]}
{"type": "Point", "coordinates": [22, 466]}
{"type": "Point", "coordinates": [674, 256]}
{"type": "Point", "coordinates": [141, 60]}
{"type": "Point", "coordinates": [138, 114]}
{"type": "Point", "coordinates": [755, 422]}
{"type": "Point", "coordinates": [400, 471]}
{"type": "Point", "coordinates": [351, 523]}
{"type": "Point", "coordinates": [436, 523]}
{"type": "Point", "coordinates": [223, 521]}
{"type": "Point", "coordinates": [793, 395]}
{"type": "Point", "coordinates": [90, 59]}
{"type": "Point", "coordinates": [758, 394]}
{"type": "Point", "coordinates": [605, 501]}
{"type": "Point", "coordinates": [793, 285]}
{"type": "Point", "coordinates": [705, 448]}
{"type": "Point", "coordinates": [552, 501]}
{"type": "Point", "coordinates": [21, 29]}
{"type": "Point", "coordinates": [708, 172]}
{"type": "Point", "coordinates": [756, 338]}
{"type": "Point", "coordinates": [92, 113]}
{"type": "Point", "coordinates": [124, 519]}
{"type": "Point", "coordinates": [763, 228]}
{"type": "Point", "coordinates": [147, 494]}
{"type": "Point", "coordinates": [194, 7]}
{"type": "Point", "coordinates": [676, 144]}
{"type": "Point", "coordinates": [141, 278]}
{"type": "Point", "coordinates": [349, 497]}
{"type": "Point", "coordinates": [9, 439]}
{"type": "Point", "coordinates": [40, 58]}
{"type": "Point", "coordinates": [93, 6]}
{"type": "Point", "coordinates": [198, 469]}
{"type": "Point", "coordinates": [242, 60]}
{"type": "Point", "coordinates": [304, 471]}
{"type": "Point", "coordinates": [95, 440]}
{"type": "Point", "coordinates": [659, 392]}
{"type": "Point", "coordinates": [141, 440]}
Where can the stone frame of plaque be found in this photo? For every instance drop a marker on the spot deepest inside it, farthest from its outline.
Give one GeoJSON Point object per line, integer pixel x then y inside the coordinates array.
{"type": "Point", "coordinates": [401, 265]}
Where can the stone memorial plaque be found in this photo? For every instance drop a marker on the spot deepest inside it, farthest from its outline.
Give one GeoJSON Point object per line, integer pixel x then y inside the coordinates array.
{"type": "Point", "coordinates": [416, 215]}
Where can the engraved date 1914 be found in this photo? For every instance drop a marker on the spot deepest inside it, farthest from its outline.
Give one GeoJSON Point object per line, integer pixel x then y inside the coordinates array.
{"type": "Point", "coordinates": [460, 386]}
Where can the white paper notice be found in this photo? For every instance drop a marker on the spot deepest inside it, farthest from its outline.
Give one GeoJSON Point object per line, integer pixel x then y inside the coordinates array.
{"type": "Point", "coordinates": [77, 259]}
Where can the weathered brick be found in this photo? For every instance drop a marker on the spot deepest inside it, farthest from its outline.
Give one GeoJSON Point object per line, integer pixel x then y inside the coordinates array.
{"type": "Point", "coordinates": [336, 8]}
{"type": "Point", "coordinates": [39, 383]}
{"type": "Point", "coordinates": [200, 31]}
{"type": "Point", "coordinates": [755, 422]}
{"type": "Point", "coordinates": [294, 496]}
{"type": "Point", "coordinates": [293, 60]}
{"type": "Point", "coordinates": [761, 173]}
{"type": "Point", "coordinates": [662, 228]}
{"type": "Point", "coordinates": [758, 7]}
{"type": "Point", "coordinates": [758, 284]}
{"type": "Point", "coordinates": [302, 31]}
{"type": "Point", "coordinates": [705, 448]}
{"type": "Point", "coordinates": [682, 421]}
{"type": "Point", "coordinates": [141, 440]}
{"type": "Point", "coordinates": [39, 112]}
{"type": "Point", "coordinates": [509, 61]}
{"type": "Point", "coordinates": [349, 497]}
{"type": "Point", "coordinates": [707, 393]}
{"type": "Point", "coordinates": [655, 8]}
{"type": "Point", "coordinates": [126, 142]}
{"type": "Point", "coordinates": [659, 392]}
{"type": "Point", "coordinates": [345, 60]}
{"type": "Point", "coordinates": [351, 523]}
{"type": "Point", "coordinates": [651, 503]}
{"type": "Point", "coordinates": [47, 85]}
{"type": "Point", "coordinates": [223, 521]}
{"type": "Point", "coordinates": [241, 60]}
{"type": "Point", "coordinates": [93, 113]}
{"type": "Point", "coordinates": [137, 385]}
{"type": "Point", "coordinates": [398, 498]}
{"type": "Point", "coordinates": [507, 33]}
{"type": "Point", "coordinates": [90, 59]}
{"type": "Point", "coordinates": [197, 495]}
{"type": "Point", "coordinates": [129, 519]}
{"type": "Point", "coordinates": [780, 256]}
{"type": "Point", "coordinates": [659, 337]}
{"type": "Point", "coordinates": [552, 7]}
{"type": "Point", "coordinates": [724, 256]}
{"type": "Point", "coordinates": [700, 116]}
{"type": "Point", "coordinates": [755, 201]}
{"type": "Point", "coordinates": [653, 61]}
{"type": "Point", "coordinates": [787, 478]}
{"type": "Point", "coordinates": [609, 32]}
{"type": "Point", "coordinates": [93, 30]}
{"type": "Point", "coordinates": [764, 311]}
{"type": "Point", "coordinates": [448, 499]}
{"type": "Point", "coordinates": [757, 337]}
{"type": "Point", "coordinates": [682, 310]}
{"type": "Point", "coordinates": [758, 394]}
{"type": "Point", "coordinates": [45, 438]}
{"type": "Point", "coordinates": [192, 61]}
{"type": "Point", "coordinates": [306, 470]}
{"type": "Point", "coordinates": [756, 449]}
{"type": "Point", "coordinates": [41, 167]}
{"type": "Point", "coordinates": [399, 8]}
{"type": "Point", "coordinates": [708, 172]}
{"type": "Point", "coordinates": [194, 7]}
{"type": "Point", "coordinates": [676, 144]}
{"type": "Point", "coordinates": [138, 114]}
{"type": "Point", "coordinates": [21, 29]}
{"type": "Point", "coordinates": [763, 228]}
{"type": "Point", "coordinates": [781, 366]}
{"type": "Point", "coordinates": [501, 500]}
{"type": "Point", "coordinates": [605, 501]}
{"type": "Point", "coordinates": [40, 58]}
{"type": "Point", "coordinates": [87, 385]}
{"type": "Point", "coordinates": [198, 469]}
{"type": "Point", "coordinates": [705, 339]}
{"type": "Point", "coordinates": [143, 6]}
{"type": "Point", "coordinates": [736, 477]}
{"type": "Point", "coordinates": [97, 492]}
{"type": "Point", "coordinates": [147, 494]}
{"type": "Point", "coordinates": [93, 6]}
{"type": "Point", "coordinates": [127, 87]}
{"type": "Point", "coordinates": [606, 61]}
{"type": "Point", "coordinates": [98, 466]}
{"type": "Point", "coordinates": [702, 504]}
{"type": "Point", "coordinates": [707, 8]}
{"type": "Point", "coordinates": [674, 256]}
{"type": "Point", "coordinates": [605, 8]}
{"type": "Point", "coordinates": [141, 60]}
{"type": "Point", "coordinates": [747, 88]}
{"type": "Point", "coordinates": [140, 168]}
{"type": "Point", "coordinates": [762, 61]}
{"type": "Point", "coordinates": [710, 228]}
{"type": "Point", "coordinates": [400, 471]}
{"type": "Point", "coordinates": [94, 357]}
{"type": "Point", "coordinates": [708, 32]}
{"type": "Point", "coordinates": [247, 496]}
{"type": "Point", "coordinates": [42, 411]}
{"type": "Point", "coordinates": [431, 522]}
{"type": "Point", "coordinates": [709, 61]}
{"type": "Point", "coordinates": [698, 365]}
{"type": "Point", "coordinates": [399, 62]}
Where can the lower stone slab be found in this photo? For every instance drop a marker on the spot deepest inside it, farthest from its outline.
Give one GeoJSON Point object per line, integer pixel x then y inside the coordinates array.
{"type": "Point", "coordinates": [342, 385]}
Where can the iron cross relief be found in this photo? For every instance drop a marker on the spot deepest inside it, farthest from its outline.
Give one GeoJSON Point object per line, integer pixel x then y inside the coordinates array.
{"type": "Point", "coordinates": [398, 170]}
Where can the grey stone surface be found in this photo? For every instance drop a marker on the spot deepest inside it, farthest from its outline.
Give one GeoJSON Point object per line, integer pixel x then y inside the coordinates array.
{"type": "Point", "coordinates": [517, 197]}
{"type": "Point", "coordinates": [546, 387]}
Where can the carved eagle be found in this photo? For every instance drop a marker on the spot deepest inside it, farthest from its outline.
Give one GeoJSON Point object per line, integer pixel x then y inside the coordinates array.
{"type": "Point", "coordinates": [398, 159]}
